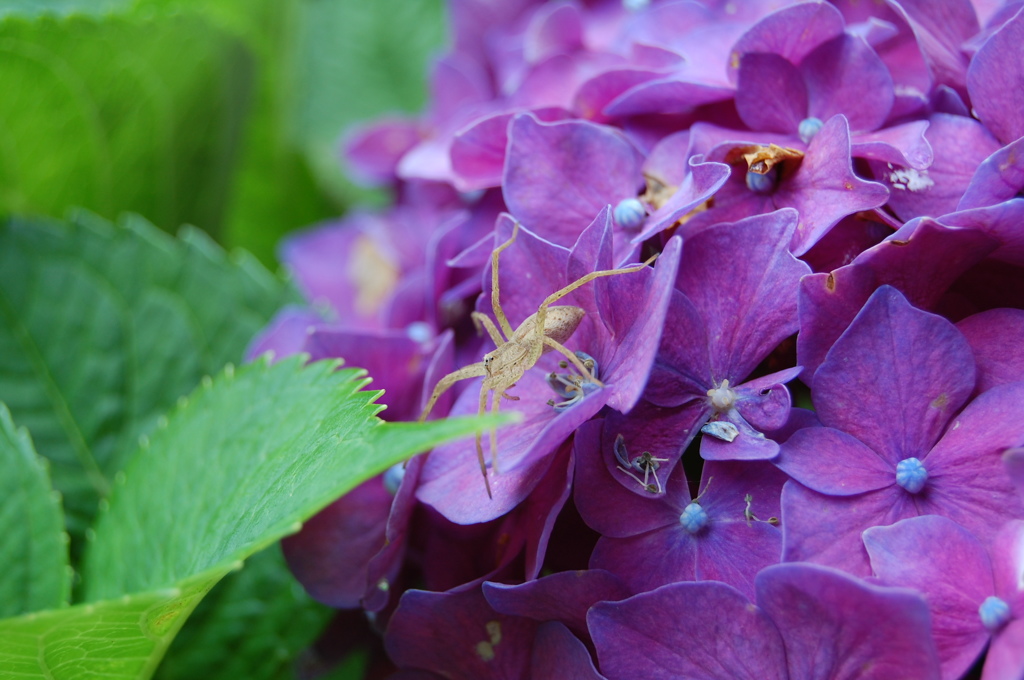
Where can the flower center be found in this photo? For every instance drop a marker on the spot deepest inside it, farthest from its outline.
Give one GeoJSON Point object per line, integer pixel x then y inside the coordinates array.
{"type": "Point", "coordinates": [573, 387]}
{"type": "Point", "coordinates": [763, 183]}
{"type": "Point", "coordinates": [808, 128]}
{"type": "Point", "coordinates": [694, 518]}
{"type": "Point", "coordinates": [629, 213]}
{"type": "Point", "coordinates": [911, 474]}
{"type": "Point", "coordinates": [994, 613]}
{"type": "Point", "coordinates": [722, 397]}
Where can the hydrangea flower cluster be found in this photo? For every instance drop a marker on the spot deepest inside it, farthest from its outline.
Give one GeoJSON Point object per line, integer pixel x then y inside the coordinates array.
{"type": "Point", "coordinates": [832, 191]}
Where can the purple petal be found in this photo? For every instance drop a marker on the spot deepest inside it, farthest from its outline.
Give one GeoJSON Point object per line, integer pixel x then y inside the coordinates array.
{"type": "Point", "coordinates": [825, 189]}
{"type": "Point", "coordinates": [553, 29]}
{"type": "Point", "coordinates": [950, 567]}
{"type": "Point", "coordinates": [478, 151]}
{"type": "Point", "coordinates": [770, 95]}
{"type": "Point", "coordinates": [1013, 459]}
{"type": "Point", "coordinates": [732, 548]}
{"type": "Point", "coordinates": [994, 336]}
{"type": "Point", "coordinates": [667, 95]}
{"type": "Point", "coordinates": [960, 145]}
{"type": "Point", "coordinates": [558, 176]}
{"type": "Point", "coordinates": [731, 553]}
{"type": "Point", "coordinates": [451, 480]}
{"type": "Point", "coordinates": [895, 377]}
{"type": "Point", "coordinates": [1001, 222]}
{"type": "Point", "coordinates": [564, 596]}
{"type": "Point", "coordinates": [999, 178]}
{"type": "Point", "coordinates": [904, 145]}
{"type": "Point", "coordinates": [922, 264]}
{"type": "Point", "coordinates": [373, 152]}
{"type": "Point", "coordinates": [285, 335]}
{"type": "Point", "coordinates": [834, 463]}
{"type": "Point", "coordinates": [459, 636]}
{"type": "Point", "coordinates": [386, 565]}
{"type": "Point", "coordinates": [1006, 653]}
{"type": "Point", "coordinates": [827, 529]}
{"type": "Point", "coordinates": [793, 32]}
{"type": "Point", "coordinates": [557, 653]}
{"type": "Point", "coordinates": [682, 366]}
{"type": "Point", "coordinates": [748, 303]}
{"type": "Point", "coordinates": [844, 75]}
{"type": "Point", "coordinates": [699, 184]}
{"type": "Point", "coordinates": [995, 81]}
{"type": "Point", "coordinates": [594, 95]}
{"type": "Point", "coordinates": [749, 444]}
{"type": "Point", "coordinates": [839, 628]}
{"type": "Point", "coordinates": [1005, 658]}
{"type": "Point", "coordinates": [941, 29]}
{"type": "Point", "coordinates": [765, 402]}
{"type": "Point", "coordinates": [687, 630]}
{"type": "Point", "coordinates": [663, 433]}
{"type": "Point", "coordinates": [605, 503]}
{"type": "Point", "coordinates": [1007, 552]}
{"type": "Point", "coordinates": [966, 476]}
{"type": "Point", "coordinates": [330, 555]}
{"type": "Point", "coordinates": [396, 363]}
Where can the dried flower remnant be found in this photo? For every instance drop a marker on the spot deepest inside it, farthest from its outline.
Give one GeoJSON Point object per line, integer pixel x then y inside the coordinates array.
{"type": "Point", "coordinates": [646, 464]}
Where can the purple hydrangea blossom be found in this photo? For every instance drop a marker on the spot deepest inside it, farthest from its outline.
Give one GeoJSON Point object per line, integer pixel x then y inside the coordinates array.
{"type": "Point", "coordinates": [971, 602]}
{"type": "Point", "coordinates": [621, 338]}
{"type": "Point", "coordinates": [899, 438]}
{"type": "Point", "coordinates": [747, 145]}
{"type": "Point", "coordinates": [809, 623]}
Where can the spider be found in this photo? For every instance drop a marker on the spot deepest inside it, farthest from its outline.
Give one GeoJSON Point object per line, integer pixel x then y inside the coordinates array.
{"type": "Point", "coordinates": [517, 351]}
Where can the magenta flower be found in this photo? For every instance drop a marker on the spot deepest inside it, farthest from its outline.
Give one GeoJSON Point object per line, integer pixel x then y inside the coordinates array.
{"type": "Point", "coordinates": [974, 600]}
{"type": "Point", "coordinates": [899, 438]}
{"type": "Point", "coordinates": [809, 623]}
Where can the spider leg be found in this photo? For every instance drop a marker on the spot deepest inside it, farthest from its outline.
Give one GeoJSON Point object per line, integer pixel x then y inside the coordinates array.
{"type": "Point", "coordinates": [472, 371]}
{"type": "Point", "coordinates": [588, 376]}
{"type": "Point", "coordinates": [482, 320]}
{"type": "Point", "coordinates": [479, 439]}
{"type": "Point", "coordinates": [495, 302]}
{"type": "Point", "coordinates": [559, 294]}
{"type": "Point", "coordinates": [495, 405]}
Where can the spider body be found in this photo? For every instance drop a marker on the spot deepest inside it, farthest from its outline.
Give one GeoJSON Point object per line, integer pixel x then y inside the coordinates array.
{"type": "Point", "coordinates": [517, 351]}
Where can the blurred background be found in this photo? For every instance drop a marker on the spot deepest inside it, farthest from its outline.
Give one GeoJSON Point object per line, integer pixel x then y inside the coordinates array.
{"type": "Point", "coordinates": [223, 114]}
{"type": "Point", "coordinates": [226, 115]}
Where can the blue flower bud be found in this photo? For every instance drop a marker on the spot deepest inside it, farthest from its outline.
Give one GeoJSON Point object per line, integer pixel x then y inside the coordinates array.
{"type": "Point", "coordinates": [635, 5]}
{"type": "Point", "coordinates": [694, 518]}
{"type": "Point", "coordinates": [629, 213]}
{"type": "Point", "coordinates": [994, 613]}
{"type": "Point", "coordinates": [911, 475]}
{"type": "Point", "coordinates": [808, 128]}
{"type": "Point", "coordinates": [763, 184]}
{"type": "Point", "coordinates": [393, 477]}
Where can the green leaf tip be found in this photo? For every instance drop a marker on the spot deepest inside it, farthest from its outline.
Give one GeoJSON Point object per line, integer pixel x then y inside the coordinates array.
{"type": "Point", "coordinates": [239, 465]}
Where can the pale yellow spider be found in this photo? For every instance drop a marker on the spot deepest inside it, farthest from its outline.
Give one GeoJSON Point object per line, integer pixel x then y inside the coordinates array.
{"type": "Point", "coordinates": [517, 351]}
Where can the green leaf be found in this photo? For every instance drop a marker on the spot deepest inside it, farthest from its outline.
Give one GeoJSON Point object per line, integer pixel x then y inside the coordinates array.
{"type": "Point", "coordinates": [103, 327]}
{"type": "Point", "coordinates": [252, 625]}
{"type": "Point", "coordinates": [239, 467]}
{"type": "Point", "coordinates": [32, 8]}
{"type": "Point", "coordinates": [117, 640]}
{"type": "Point", "coordinates": [239, 464]}
{"type": "Point", "coordinates": [33, 545]}
{"type": "Point", "coordinates": [125, 112]}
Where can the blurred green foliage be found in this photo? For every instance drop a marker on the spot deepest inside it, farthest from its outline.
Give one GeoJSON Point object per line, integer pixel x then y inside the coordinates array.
{"type": "Point", "coordinates": [224, 114]}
